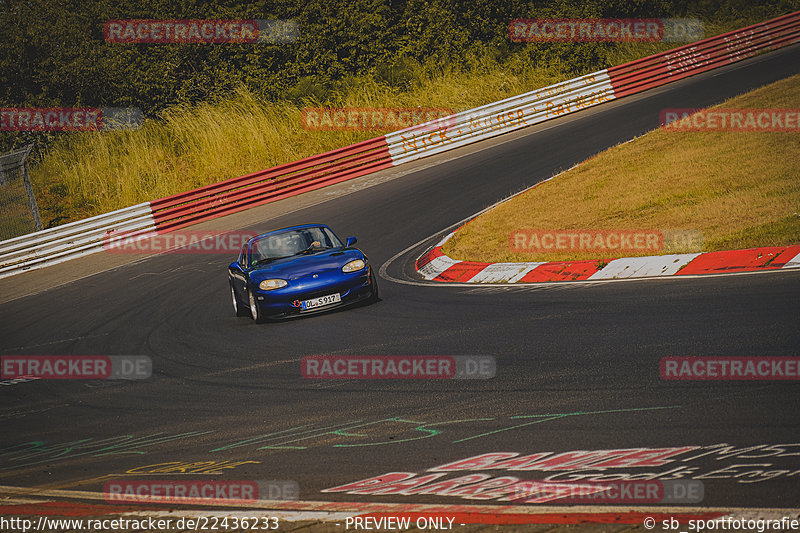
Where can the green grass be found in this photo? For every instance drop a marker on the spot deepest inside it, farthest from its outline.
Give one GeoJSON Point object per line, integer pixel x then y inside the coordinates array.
{"type": "Point", "coordinates": [738, 189]}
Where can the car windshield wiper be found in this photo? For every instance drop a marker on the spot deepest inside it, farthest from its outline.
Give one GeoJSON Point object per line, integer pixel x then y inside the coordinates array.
{"type": "Point", "coordinates": [311, 248]}
{"type": "Point", "coordinates": [269, 260]}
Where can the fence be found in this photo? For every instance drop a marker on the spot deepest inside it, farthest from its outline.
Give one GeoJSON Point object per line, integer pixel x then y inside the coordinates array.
{"type": "Point", "coordinates": [19, 213]}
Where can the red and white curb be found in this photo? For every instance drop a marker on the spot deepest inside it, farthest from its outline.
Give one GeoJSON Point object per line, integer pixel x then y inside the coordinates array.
{"type": "Point", "coordinates": [33, 502]}
{"type": "Point", "coordinates": [434, 265]}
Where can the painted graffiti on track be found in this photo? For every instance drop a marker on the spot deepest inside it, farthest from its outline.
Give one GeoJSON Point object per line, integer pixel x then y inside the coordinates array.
{"type": "Point", "coordinates": [350, 433]}
{"type": "Point", "coordinates": [611, 476]}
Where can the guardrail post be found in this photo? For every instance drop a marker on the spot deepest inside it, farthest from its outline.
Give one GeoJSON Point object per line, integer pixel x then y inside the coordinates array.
{"type": "Point", "coordinates": [29, 188]}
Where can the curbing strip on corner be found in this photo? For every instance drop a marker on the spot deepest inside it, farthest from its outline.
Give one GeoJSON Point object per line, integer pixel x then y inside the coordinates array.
{"type": "Point", "coordinates": [332, 511]}
{"type": "Point", "coordinates": [434, 265]}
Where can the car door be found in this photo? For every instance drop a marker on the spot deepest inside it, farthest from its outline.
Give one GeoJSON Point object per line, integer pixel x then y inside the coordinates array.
{"type": "Point", "coordinates": [238, 273]}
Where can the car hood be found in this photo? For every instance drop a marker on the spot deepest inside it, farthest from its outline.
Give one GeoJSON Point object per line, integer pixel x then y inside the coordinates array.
{"type": "Point", "coordinates": [304, 265]}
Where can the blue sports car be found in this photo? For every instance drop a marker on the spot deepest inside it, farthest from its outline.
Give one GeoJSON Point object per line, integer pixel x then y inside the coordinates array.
{"type": "Point", "coordinates": [299, 270]}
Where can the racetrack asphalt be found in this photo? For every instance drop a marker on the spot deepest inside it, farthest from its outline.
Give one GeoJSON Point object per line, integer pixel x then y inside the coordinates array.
{"type": "Point", "coordinates": [577, 365]}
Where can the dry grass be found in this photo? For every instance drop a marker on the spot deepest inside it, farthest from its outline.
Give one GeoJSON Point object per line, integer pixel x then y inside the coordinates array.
{"type": "Point", "coordinates": [186, 147]}
{"type": "Point", "coordinates": [739, 189]}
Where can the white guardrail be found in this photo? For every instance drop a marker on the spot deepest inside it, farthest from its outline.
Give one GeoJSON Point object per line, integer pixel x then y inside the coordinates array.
{"type": "Point", "coordinates": [501, 117]}
{"type": "Point", "coordinates": [76, 239]}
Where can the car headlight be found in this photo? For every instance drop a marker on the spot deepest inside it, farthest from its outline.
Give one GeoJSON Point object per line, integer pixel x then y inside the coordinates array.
{"type": "Point", "coordinates": [354, 266]}
{"type": "Point", "coordinates": [272, 284]}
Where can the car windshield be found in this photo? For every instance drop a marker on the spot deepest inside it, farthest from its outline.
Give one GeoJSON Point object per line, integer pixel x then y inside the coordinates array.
{"type": "Point", "coordinates": [292, 242]}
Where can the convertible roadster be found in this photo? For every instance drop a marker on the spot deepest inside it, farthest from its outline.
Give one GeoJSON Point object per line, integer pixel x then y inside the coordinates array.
{"type": "Point", "coordinates": [297, 271]}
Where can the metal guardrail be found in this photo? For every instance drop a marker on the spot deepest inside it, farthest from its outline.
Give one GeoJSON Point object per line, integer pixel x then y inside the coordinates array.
{"type": "Point", "coordinates": [708, 54]}
{"type": "Point", "coordinates": [72, 240]}
{"type": "Point", "coordinates": [592, 89]}
{"type": "Point", "coordinates": [219, 199]}
{"type": "Point", "coordinates": [286, 180]}
{"type": "Point", "coordinates": [502, 117]}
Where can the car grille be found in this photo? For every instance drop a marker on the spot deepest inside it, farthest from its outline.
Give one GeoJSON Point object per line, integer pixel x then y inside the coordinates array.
{"type": "Point", "coordinates": [317, 294]}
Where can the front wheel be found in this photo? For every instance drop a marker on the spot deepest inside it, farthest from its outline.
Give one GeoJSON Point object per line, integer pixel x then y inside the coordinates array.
{"type": "Point", "coordinates": [255, 310]}
{"type": "Point", "coordinates": [239, 309]}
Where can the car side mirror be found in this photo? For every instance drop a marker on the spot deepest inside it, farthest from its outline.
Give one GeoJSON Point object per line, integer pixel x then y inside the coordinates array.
{"type": "Point", "coordinates": [350, 242]}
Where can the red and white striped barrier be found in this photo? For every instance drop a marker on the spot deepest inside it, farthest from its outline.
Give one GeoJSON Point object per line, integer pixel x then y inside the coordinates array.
{"type": "Point", "coordinates": [283, 181]}
{"type": "Point", "coordinates": [592, 89]}
{"type": "Point", "coordinates": [71, 503]}
{"type": "Point", "coordinates": [434, 265]}
{"type": "Point", "coordinates": [485, 122]}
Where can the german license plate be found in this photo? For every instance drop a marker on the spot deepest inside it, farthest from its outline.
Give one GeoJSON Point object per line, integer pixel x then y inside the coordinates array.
{"type": "Point", "coordinates": [322, 301]}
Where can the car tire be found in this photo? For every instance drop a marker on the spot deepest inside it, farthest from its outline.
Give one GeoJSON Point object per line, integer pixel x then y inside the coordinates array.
{"type": "Point", "coordinates": [255, 310]}
{"type": "Point", "coordinates": [238, 308]}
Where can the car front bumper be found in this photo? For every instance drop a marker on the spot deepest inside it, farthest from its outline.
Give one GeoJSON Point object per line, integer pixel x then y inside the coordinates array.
{"type": "Point", "coordinates": [286, 302]}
